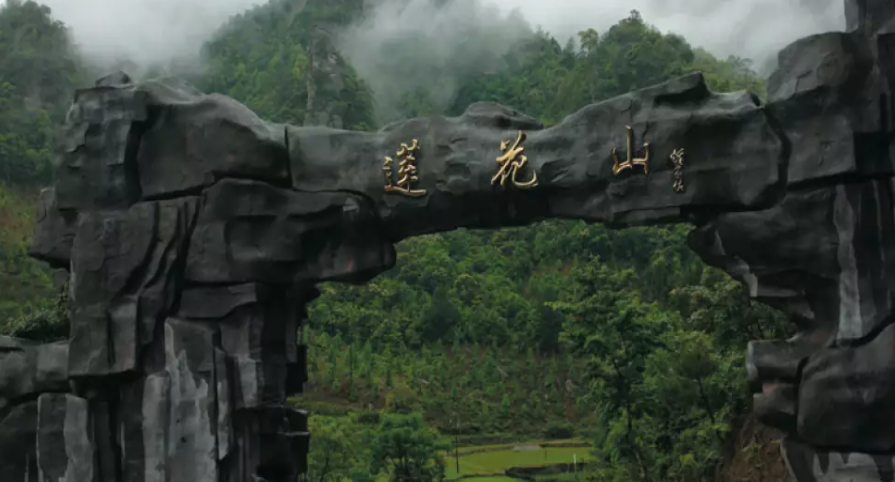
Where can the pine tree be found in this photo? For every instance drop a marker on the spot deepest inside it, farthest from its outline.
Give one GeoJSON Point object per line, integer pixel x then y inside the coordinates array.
{"type": "Point", "coordinates": [366, 371]}
{"type": "Point", "coordinates": [310, 349]}
{"type": "Point", "coordinates": [455, 347]}
{"type": "Point", "coordinates": [352, 360]}
{"type": "Point", "coordinates": [442, 372]}
{"type": "Point", "coordinates": [336, 387]}
{"type": "Point", "coordinates": [332, 364]}
{"type": "Point", "coordinates": [572, 375]}
{"type": "Point", "coordinates": [389, 382]}
{"type": "Point", "coordinates": [388, 360]}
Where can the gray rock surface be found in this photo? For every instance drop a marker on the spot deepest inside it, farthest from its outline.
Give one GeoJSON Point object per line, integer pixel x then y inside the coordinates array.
{"type": "Point", "coordinates": [194, 233]}
{"type": "Point", "coordinates": [869, 17]}
{"type": "Point", "coordinates": [736, 155]}
{"type": "Point", "coordinates": [64, 447]}
{"type": "Point", "coordinates": [824, 254]}
{"type": "Point", "coordinates": [257, 327]}
{"type": "Point", "coordinates": [95, 162]}
{"type": "Point", "coordinates": [828, 96]}
{"type": "Point", "coordinates": [846, 394]}
{"type": "Point", "coordinates": [18, 442]}
{"type": "Point", "coordinates": [198, 139]}
{"type": "Point", "coordinates": [250, 231]}
{"type": "Point", "coordinates": [126, 273]}
{"type": "Point", "coordinates": [325, 80]}
{"type": "Point", "coordinates": [28, 369]}
{"type": "Point", "coordinates": [55, 232]}
{"type": "Point", "coordinates": [823, 465]}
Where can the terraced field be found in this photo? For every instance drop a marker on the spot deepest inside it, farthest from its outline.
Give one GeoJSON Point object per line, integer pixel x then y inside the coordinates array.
{"type": "Point", "coordinates": [488, 463]}
{"type": "Point", "coordinates": [490, 479]}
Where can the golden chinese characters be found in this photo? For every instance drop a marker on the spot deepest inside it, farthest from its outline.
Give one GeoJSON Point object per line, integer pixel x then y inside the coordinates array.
{"type": "Point", "coordinates": [631, 161]}
{"type": "Point", "coordinates": [407, 171]}
{"type": "Point", "coordinates": [677, 161]}
{"type": "Point", "coordinates": [511, 162]}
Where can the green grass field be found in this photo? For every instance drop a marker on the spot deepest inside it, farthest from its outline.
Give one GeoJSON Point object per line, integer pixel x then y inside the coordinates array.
{"type": "Point", "coordinates": [489, 479]}
{"type": "Point", "coordinates": [509, 446]}
{"type": "Point", "coordinates": [564, 477]}
{"type": "Point", "coordinates": [497, 461]}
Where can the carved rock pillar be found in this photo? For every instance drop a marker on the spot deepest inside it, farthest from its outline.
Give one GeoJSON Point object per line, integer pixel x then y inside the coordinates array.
{"type": "Point", "coordinates": [825, 254]}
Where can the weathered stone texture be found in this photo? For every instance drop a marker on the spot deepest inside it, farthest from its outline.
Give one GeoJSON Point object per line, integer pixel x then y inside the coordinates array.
{"type": "Point", "coordinates": [96, 165]}
{"type": "Point", "coordinates": [65, 450]}
{"type": "Point", "coordinates": [257, 331]}
{"type": "Point", "coordinates": [824, 256]}
{"type": "Point", "coordinates": [250, 231]}
{"type": "Point", "coordinates": [869, 17]}
{"type": "Point", "coordinates": [825, 253]}
{"type": "Point", "coordinates": [740, 158]}
{"type": "Point", "coordinates": [18, 440]}
{"type": "Point", "coordinates": [55, 232]}
{"type": "Point", "coordinates": [125, 276]}
{"type": "Point", "coordinates": [194, 141]}
{"type": "Point", "coordinates": [829, 99]}
{"type": "Point", "coordinates": [811, 464]}
{"type": "Point", "coordinates": [846, 395]}
{"type": "Point", "coordinates": [28, 369]}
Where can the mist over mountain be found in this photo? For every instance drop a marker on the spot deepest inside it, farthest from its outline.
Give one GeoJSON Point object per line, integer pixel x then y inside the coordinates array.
{"type": "Point", "coordinates": [400, 48]}
{"type": "Point", "coordinates": [159, 31]}
{"type": "Point", "coordinates": [753, 29]}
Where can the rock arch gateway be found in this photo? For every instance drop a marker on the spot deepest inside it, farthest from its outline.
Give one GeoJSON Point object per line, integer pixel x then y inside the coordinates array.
{"type": "Point", "coordinates": [194, 233]}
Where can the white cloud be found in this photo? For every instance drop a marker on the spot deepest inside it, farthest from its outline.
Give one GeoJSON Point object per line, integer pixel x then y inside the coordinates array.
{"type": "Point", "coordinates": [755, 29]}
{"type": "Point", "coordinates": [144, 31]}
{"type": "Point", "coordinates": [149, 31]}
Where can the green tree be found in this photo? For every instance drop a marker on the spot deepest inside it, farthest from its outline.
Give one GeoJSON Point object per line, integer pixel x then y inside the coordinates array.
{"type": "Point", "coordinates": [335, 449]}
{"type": "Point", "coordinates": [406, 451]}
{"type": "Point", "coordinates": [38, 73]}
{"type": "Point", "coordinates": [608, 321]}
{"type": "Point", "coordinates": [266, 57]}
{"type": "Point", "coordinates": [688, 394]}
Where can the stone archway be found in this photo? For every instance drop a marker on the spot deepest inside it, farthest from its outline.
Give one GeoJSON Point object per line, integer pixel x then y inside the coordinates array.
{"type": "Point", "coordinates": [194, 233]}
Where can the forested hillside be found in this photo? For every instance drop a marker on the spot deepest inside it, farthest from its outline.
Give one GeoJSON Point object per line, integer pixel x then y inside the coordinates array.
{"type": "Point", "coordinates": [621, 340]}
{"type": "Point", "coordinates": [38, 73]}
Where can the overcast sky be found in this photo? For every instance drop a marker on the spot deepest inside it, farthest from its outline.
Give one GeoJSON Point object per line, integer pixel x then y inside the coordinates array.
{"type": "Point", "coordinates": [157, 30]}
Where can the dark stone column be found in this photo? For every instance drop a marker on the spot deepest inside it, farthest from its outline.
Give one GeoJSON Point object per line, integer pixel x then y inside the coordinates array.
{"type": "Point", "coordinates": [825, 254]}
